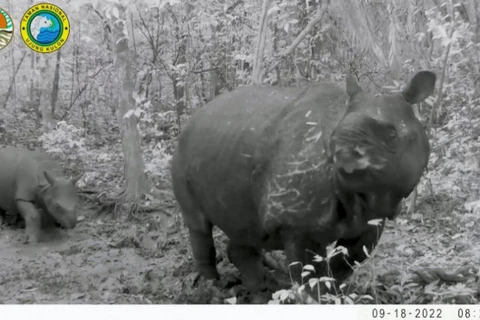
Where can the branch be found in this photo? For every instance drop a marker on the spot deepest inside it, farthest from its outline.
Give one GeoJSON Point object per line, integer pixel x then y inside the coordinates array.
{"type": "Point", "coordinates": [204, 70]}
{"type": "Point", "coordinates": [233, 6]}
{"type": "Point", "coordinates": [442, 79]}
{"type": "Point", "coordinates": [105, 22]}
{"type": "Point", "coordinates": [80, 92]}
{"type": "Point", "coordinates": [318, 17]}
{"type": "Point", "coordinates": [10, 87]}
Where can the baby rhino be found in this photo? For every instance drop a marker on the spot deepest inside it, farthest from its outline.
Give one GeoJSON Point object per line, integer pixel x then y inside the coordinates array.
{"type": "Point", "coordinates": [33, 185]}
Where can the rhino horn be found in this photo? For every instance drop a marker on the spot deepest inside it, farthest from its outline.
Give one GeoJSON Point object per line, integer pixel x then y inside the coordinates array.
{"type": "Point", "coordinates": [51, 179]}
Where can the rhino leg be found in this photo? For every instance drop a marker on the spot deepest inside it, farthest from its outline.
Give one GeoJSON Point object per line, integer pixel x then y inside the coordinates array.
{"type": "Point", "coordinates": [32, 219]}
{"type": "Point", "coordinates": [248, 260]}
{"type": "Point", "coordinates": [203, 249]}
{"type": "Point", "coordinates": [340, 265]}
{"type": "Point", "coordinates": [199, 227]}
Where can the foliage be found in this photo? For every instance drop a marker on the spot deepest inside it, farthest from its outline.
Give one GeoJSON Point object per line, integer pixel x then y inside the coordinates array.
{"type": "Point", "coordinates": [65, 141]}
{"type": "Point", "coordinates": [184, 53]}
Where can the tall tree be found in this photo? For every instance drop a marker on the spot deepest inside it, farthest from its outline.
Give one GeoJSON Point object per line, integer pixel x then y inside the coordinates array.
{"type": "Point", "coordinates": [134, 167]}
{"type": "Point", "coordinates": [257, 66]}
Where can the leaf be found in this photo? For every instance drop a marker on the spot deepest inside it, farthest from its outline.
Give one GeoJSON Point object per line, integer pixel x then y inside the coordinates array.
{"type": "Point", "coordinates": [375, 222]}
{"type": "Point", "coordinates": [128, 114]}
{"type": "Point", "coordinates": [312, 282]}
{"type": "Point", "coordinates": [473, 206]}
{"type": "Point", "coordinates": [309, 267]}
{"type": "Point", "coordinates": [276, 294]}
{"type": "Point", "coordinates": [328, 285]}
{"type": "Point", "coordinates": [368, 297]}
{"type": "Point", "coordinates": [272, 10]}
{"type": "Point", "coordinates": [284, 295]}
{"type": "Point", "coordinates": [417, 216]}
{"type": "Point", "coordinates": [305, 273]}
{"type": "Point", "coordinates": [349, 300]}
{"type": "Point", "coordinates": [232, 300]}
{"type": "Point", "coordinates": [336, 251]}
{"type": "Point", "coordinates": [365, 250]}
{"type": "Point", "coordinates": [169, 2]}
{"type": "Point", "coordinates": [281, 295]}
{"type": "Point", "coordinates": [327, 279]}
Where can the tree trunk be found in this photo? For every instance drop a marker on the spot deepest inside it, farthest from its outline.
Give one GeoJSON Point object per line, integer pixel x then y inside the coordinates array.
{"type": "Point", "coordinates": [42, 104]}
{"type": "Point", "coordinates": [477, 21]}
{"type": "Point", "coordinates": [180, 58]}
{"type": "Point", "coordinates": [257, 65]}
{"type": "Point", "coordinates": [215, 85]}
{"type": "Point", "coordinates": [136, 181]}
{"type": "Point", "coordinates": [12, 82]}
{"type": "Point", "coordinates": [35, 93]}
{"type": "Point", "coordinates": [56, 81]}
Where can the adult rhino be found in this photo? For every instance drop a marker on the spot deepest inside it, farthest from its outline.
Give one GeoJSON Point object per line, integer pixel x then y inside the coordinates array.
{"type": "Point", "coordinates": [33, 185]}
{"type": "Point", "coordinates": [297, 169]}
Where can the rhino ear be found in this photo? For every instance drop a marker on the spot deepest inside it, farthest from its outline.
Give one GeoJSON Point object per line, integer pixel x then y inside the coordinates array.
{"type": "Point", "coordinates": [51, 179]}
{"type": "Point", "coordinates": [352, 86]}
{"type": "Point", "coordinates": [420, 87]}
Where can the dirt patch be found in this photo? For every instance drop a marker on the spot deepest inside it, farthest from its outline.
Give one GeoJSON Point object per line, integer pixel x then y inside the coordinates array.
{"type": "Point", "coordinates": [104, 261]}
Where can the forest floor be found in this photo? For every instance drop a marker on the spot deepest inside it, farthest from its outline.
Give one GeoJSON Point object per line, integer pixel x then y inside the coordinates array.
{"type": "Point", "coordinates": [426, 258]}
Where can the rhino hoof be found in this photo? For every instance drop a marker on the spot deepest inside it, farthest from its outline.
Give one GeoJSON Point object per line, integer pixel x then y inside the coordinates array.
{"type": "Point", "coordinates": [30, 238]}
{"type": "Point", "coordinates": [208, 272]}
{"type": "Point", "coordinates": [228, 281]}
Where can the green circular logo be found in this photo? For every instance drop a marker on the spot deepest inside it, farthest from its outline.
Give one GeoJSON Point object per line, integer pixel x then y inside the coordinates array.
{"type": "Point", "coordinates": [6, 29]}
{"type": "Point", "coordinates": [45, 28]}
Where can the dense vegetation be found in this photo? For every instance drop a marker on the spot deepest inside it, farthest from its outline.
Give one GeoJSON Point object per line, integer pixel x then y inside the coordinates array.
{"type": "Point", "coordinates": [111, 102]}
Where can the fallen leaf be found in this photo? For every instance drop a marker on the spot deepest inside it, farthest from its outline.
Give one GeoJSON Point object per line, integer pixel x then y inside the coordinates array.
{"type": "Point", "coordinates": [232, 300]}
{"type": "Point", "coordinates": [456, 236]}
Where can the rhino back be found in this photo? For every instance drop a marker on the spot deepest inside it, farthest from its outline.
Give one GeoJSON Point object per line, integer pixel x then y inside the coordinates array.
{"type": "Point", "coordinates": [298, 192]}
{"type": "Point", "coordinates": [21, 173]}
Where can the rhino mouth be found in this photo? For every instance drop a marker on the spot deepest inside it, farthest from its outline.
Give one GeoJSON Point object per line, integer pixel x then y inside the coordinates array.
{"type": "Point", "coordinates": [62, 221]}
{"type": "Point", "coordinates": [376, 211]}
{"type": "Point", "coordinates": [59, 225]}
{"type": "Point", "coordinates": [66, 223]}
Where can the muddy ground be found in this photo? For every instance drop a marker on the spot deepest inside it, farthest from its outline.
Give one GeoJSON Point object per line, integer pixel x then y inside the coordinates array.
{"type": "Point", "coordinates": [104, 261]}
